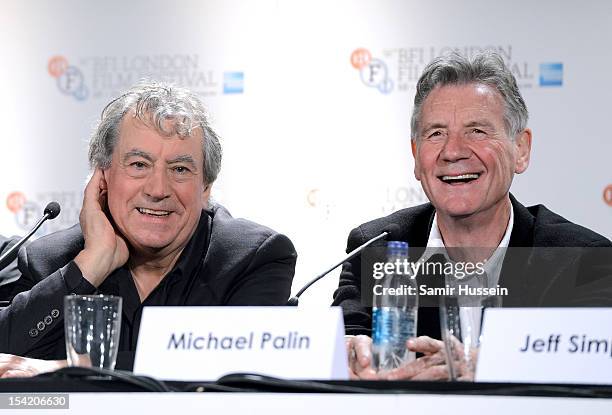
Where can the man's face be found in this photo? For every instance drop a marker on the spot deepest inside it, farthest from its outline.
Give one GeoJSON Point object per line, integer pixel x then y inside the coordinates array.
{"type": "Point", "coordinates": [155, 187]}
{"type": "Point", "coordinates": [464, 157]}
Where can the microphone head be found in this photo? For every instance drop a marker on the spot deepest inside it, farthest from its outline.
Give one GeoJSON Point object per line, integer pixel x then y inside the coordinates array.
{"type": "Point", "coordinates": [393, 232]}
{"type": "Point", "coordinates": [52, 210]}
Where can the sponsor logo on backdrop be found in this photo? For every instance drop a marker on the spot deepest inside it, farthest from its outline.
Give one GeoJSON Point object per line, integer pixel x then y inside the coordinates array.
{"type": "Point", "coordinates": [319, 201]}
{"type": "Point", "coordinates": [27, 210]}
{"type": "Point", "coordinates": [607, 195]}
{"type": "Point", "coordinates": [403, 197]}
{"type": "Point", "coordinates": [15, 201]}
{"type": "Point", "coordinates": [398, 69]}
{"type": "Point", "coordinates": [104, 77]}
{"type": "Point", "coordinates": [393, 199]}
{"type": "Point", "coordinates": [374, 72]}
{"type": "Point", "coordinates": [551, 74]}
{"type": "Point", "coordinates": [233, 82]}
{"type": "Point", "coordinates": [69, 78]}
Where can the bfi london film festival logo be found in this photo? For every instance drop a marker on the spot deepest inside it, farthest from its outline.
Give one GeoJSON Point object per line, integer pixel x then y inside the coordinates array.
{"type": "Point", "coordinates": [28, 211]}
{"type": "Point", "coordinates": [69, 78]}
{"type": "Point", "coordinates": [400, 68]}
{"type": "Point", "coordinates": [607, 195]}
{"type": "Point", "coordinates": [104, 77]}
{"type": "Point", "coordinates": [374, 72]}
{"type": "Point", "coordinates": [321, 203]}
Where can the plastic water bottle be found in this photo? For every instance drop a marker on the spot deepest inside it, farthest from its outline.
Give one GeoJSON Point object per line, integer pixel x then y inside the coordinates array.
{"type": "Point", "coordinates": [394, 317]}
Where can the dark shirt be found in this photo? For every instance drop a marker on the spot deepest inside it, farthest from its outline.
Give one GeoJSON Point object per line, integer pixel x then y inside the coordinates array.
{"type": "Point", "coordinates": [228, 261]}
{"type": "Point", "coordinates": [172, 289]}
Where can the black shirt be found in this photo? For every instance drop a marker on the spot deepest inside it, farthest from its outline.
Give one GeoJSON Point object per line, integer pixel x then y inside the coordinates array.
{"type": "Point", "coordinates": [173, 289]}
{"type": "Point", "coordinates": [228, 261]}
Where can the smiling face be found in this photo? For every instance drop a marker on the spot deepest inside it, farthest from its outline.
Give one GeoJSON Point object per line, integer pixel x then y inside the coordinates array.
{"type": "Point", "coordinates": [156, 191]}
{"type": "Point", "coordinates": [464, 157]}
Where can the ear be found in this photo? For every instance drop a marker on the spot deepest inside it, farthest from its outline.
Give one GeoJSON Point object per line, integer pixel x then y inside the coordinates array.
{"type": "Point", "coordinates": [103, 182]}
{"type": "Point", "coordinates": [415, 155]}
{"type": "Point", "coordinates": [523, 147]}
{"type": "Point", "coordinates": [206, 195]}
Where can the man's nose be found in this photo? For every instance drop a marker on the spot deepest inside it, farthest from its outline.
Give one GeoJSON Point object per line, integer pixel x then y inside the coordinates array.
{"type": "Point", "coordinates": [157, 185]}
{"type": "Point", "coordinates": [455, 148]}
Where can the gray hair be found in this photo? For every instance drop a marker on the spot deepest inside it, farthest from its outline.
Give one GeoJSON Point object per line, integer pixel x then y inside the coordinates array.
{"type": "Point", "coordinates": [486, 68]}
{"type": "Point", "coordinates": [155, 103]}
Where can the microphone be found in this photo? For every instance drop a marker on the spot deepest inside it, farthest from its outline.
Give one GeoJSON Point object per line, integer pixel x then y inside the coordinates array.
{"type": "Point", "coordinates": [392, 231]}
{"type": "Point", "coordinates": [51, 211]}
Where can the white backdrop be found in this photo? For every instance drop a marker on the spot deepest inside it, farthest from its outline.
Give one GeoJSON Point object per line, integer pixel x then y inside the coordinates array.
{"type": "Point", "coordinates": [316, 137]}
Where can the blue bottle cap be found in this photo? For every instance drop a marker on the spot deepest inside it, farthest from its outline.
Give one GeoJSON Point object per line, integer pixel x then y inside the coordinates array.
{"type": "Point", "coordinates": [397, 247]}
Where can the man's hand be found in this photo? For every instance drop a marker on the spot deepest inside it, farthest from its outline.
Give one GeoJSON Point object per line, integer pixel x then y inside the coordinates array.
{"type": "Point", "coordinates": [359, 352]}
{"type": "Point", "coordinates": [12, 366]}
{"type": "Point", "coordinates": [431, 366]}
{"type": "Point", "coordinates": [105, 250]}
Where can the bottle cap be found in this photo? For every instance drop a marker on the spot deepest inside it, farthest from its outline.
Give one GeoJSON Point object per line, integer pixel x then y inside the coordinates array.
{"type": "Point", "coordinates": [397, 247]}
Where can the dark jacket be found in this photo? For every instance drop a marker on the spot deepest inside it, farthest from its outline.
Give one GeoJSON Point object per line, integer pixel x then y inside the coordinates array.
{"type": "Point", "coordinates": [10, 273]}
{"type": "Point", "coordinates": [560, 264]}
{"type": "Point", "coordinates": [239, 263]}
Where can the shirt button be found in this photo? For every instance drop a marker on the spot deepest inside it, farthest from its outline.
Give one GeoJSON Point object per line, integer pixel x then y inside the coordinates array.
{"type": "Point", "coordinates": [48, 320]}
{"type": "Point", "coordinates": [33, 333]}
{"type": "Point", "coordinates": [55, 313]}
{"type": "Point", "coordinates": [40, 326]}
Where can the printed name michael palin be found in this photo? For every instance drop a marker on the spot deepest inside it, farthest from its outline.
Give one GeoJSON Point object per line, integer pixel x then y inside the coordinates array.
{"type": "Point", "coordinates": [264, 341]}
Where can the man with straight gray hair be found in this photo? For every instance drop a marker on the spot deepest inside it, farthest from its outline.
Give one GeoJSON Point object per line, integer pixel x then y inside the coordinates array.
{"type": "Point", "coordinates": [469, 138]}
{"type": "Point", "coordinates": [147, 233]}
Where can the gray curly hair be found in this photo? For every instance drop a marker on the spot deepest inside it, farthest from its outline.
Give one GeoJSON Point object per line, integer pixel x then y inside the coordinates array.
{"type": "Point", "coordinates": [487, 68]}
{"type": "Point", "coordinates": [155, 103]}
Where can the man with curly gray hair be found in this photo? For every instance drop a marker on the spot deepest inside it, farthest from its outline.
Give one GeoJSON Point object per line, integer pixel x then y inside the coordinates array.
{"type": "Point", "coordinates": [147, 233]}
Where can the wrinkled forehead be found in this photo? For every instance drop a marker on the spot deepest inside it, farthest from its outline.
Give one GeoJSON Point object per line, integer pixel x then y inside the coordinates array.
{"type": "Point", "coordinates": [164, 123]}
{"type": "Point", "coordinates": [464, 93]}
{"type": "Point", "coordinates": [473, 100]}
{"type": "Point", "coordinates": [144, 135]}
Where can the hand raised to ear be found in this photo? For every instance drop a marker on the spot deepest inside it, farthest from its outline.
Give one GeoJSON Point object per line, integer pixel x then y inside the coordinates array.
{"type": "Point", "coordinates": [105, 249]}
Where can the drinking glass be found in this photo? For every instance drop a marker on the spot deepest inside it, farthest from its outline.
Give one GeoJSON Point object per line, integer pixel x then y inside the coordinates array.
{"type": "Point", "coordinates": [461, 334]}
{"type": "Point", "coordinates": [93, 325]}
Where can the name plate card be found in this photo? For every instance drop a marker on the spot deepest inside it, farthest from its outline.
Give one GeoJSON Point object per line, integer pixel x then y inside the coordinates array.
{"type": "Point", "coordinates": [546, 345]}
{"type": "Point", "coordinates": [205, 343]}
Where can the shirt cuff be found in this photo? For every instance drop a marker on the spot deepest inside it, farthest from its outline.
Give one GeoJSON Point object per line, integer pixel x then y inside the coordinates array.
{"type": "Point", "coordinates": [75, 283]}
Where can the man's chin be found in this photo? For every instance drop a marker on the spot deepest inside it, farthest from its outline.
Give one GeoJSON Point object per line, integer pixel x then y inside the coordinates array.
{"type": "Point", "coordinates": [150, 245]}
{"type": "Point", "coordinates": [456, 210]}
{"type": "Point", "coordinates": [459, 215]}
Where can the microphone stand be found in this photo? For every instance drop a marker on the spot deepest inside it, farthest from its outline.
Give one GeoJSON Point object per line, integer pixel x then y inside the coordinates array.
{"type": "Point", "coordinates": [8, 256]}
{"type": "Point", "coordinates": [294, 301]}
{"type": "Point", "coordinates": [51, 211]}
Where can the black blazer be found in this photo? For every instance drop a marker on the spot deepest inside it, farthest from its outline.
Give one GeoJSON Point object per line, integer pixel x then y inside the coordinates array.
{"type": "Point", "coordinates": [561, 264]}
{"type": "Point", "coordinates": [10, 273]}
{"type": "Point", "coordinates": [244, 264]}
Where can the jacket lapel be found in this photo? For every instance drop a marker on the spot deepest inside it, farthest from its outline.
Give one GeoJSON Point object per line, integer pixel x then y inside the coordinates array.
{"type": "Point", "coordinates": [513, 273]}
